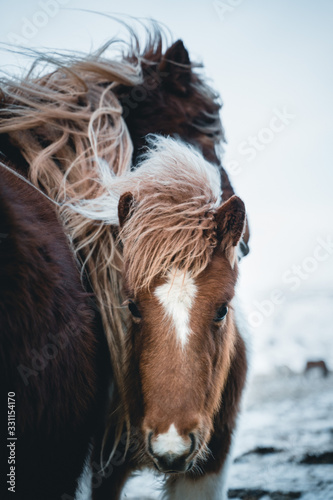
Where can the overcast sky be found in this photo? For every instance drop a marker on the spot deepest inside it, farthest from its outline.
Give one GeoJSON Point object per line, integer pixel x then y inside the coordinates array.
{"type": "Point", "coordinates": [271, 61]}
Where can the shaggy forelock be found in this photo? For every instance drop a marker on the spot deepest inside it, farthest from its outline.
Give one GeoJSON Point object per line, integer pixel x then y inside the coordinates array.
{"type": "Point", "coordinates": [176, 193]}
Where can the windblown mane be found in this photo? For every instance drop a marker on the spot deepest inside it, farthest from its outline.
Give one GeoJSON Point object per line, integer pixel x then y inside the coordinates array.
{"type": "Point", "coordinates": [176, 193]}
{"type": "Point", "coordinates": [67, 129]}
{"type": "Point", "coordinates": [172, 224]}
{"type": "Point", "coordinates": [65, 125]}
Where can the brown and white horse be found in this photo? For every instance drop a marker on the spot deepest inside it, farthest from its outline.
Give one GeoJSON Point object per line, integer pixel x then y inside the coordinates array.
{"type": "Point", "coordinates": [158, 245]}
{"type": "Point", "coordinates": [186, 356]}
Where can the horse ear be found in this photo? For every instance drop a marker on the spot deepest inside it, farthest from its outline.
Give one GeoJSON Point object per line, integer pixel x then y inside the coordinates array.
{"type": "Point", "coordinates": [230, 225]}
{"type": "Point", "coordinates": [124, 207]}
{"type": "Point", "coordinates": [176, 66]}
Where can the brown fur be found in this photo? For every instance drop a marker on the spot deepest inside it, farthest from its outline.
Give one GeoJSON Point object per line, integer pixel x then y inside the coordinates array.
{"type": "Point", "coordinates": [50, 345]}
{"type": "Point", "coordinates": [200, 388]}
{"type": "Point", "coordinates": [177, 385]}
{"type": "Point", "coordinates": [177, 102]}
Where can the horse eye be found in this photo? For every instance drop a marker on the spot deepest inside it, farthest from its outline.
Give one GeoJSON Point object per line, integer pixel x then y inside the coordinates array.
{"type": "Point", "coordinates": [134, 309]}
{"type": "Point", "coordinates": [221, 313]}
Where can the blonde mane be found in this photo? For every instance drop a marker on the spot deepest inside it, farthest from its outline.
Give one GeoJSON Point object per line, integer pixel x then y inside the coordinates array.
{"type": "Point", "coordinates": [172, 223]}
{"type": "Point", "coordinates": [68, 127]}
{"type": "Point", "coordinates": [176, 193]}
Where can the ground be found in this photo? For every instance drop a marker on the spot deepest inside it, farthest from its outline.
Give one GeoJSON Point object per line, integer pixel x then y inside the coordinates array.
{"type": "Point", "coordinates": [285, 446]}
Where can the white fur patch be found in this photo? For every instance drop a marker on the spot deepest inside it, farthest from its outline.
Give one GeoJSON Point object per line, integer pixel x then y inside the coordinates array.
{"type": "Point", "coordinates": [176, 296]}
{"type": "Point", "coordinates": [170, 442]}
{"type": "Point", "coordinates": [213, 486]}
{"type": "Point", "coordinates": [83, 491]}
{"type": "Point", "coordinates": [210, 486]}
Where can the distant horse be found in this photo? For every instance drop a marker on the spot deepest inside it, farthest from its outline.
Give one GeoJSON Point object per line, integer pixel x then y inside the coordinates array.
{"type": "Point", "coordinates": [157, 237]}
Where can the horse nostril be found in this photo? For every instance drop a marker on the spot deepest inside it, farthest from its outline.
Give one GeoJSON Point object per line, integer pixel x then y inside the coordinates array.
{"type": "Point", "coordinates": [169, 463]}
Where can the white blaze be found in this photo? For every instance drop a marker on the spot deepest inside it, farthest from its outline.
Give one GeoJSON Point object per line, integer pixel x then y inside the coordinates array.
{"type": "Point", "coordinates": [170, 442]}
{"type": "Point", "coordinates": [176, 296]}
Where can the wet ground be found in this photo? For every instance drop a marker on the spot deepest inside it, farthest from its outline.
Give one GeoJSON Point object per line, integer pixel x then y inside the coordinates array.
{"type": "Point", "coordinates": [285, 445]}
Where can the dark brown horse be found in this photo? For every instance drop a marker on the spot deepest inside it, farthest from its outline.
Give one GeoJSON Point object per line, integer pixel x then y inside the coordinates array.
{"type": "Point", "coordinates": [51, 346]}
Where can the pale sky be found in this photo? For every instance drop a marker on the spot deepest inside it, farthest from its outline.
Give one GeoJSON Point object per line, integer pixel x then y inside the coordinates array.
{"type": "Point", "coordinates": [267, 59]}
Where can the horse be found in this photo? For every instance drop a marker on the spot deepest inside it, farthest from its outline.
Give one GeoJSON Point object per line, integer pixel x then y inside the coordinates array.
{"type": "Point", "coordinates": [54, 370]}
{"type": "Point", "coordinates": [186, 358]}
{"type": "Point", "coordinates": [153, 226]}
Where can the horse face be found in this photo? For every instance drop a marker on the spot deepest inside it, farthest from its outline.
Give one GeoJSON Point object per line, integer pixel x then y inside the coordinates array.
{"type": "Point", "coordinates": [183, 339]}
{"type": "Point", "coordinates": [184, 335]}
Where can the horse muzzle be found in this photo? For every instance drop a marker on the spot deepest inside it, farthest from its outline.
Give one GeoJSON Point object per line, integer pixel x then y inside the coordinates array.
{"type": "Point", "coordinates": [172, 453]}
